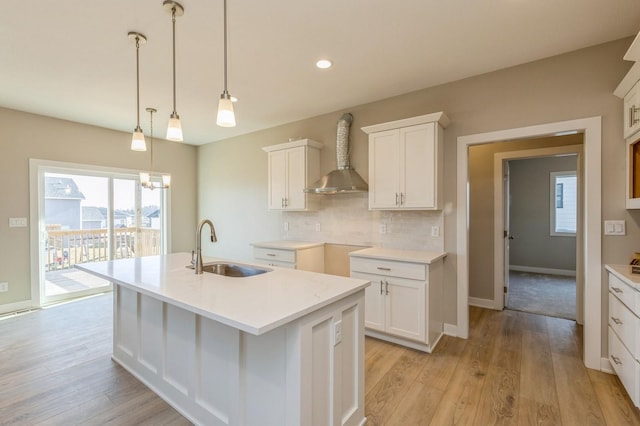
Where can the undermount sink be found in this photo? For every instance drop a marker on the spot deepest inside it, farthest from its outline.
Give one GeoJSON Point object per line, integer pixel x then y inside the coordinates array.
{"type": "Point", "coordinates": [231, 269]}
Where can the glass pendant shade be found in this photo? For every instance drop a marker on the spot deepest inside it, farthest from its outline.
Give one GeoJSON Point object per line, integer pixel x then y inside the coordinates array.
{"type": "Point", "coordinates": [137, 140]}
{"type": "Point", "coordinates": [226, 117]}
{"type": "Point", "coordinates": [145, 179]}
{"type": "Point", "coordinates": [166, 181]}
{"type": "Point", "coordinates": [174, 129]}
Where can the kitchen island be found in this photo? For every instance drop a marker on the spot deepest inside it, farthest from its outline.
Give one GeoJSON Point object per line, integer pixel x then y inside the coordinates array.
{"type": "Point", "coordinates": [285, 347]}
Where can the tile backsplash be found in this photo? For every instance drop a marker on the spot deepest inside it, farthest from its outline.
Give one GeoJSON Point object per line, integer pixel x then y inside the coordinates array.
{"type": "Point", "coordinates": [346, 219]}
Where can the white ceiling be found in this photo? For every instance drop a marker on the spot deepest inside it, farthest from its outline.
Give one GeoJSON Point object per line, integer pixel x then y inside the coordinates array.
{"type": "Point", "coordinates": [72, 59]}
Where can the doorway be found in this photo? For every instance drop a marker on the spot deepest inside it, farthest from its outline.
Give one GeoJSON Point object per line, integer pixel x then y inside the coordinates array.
{"type": "Point", "coordinates": [83, 214]}
{"type": "Point", "coordinates": [541, 201]}
{"type": "Point", "coordinates": [589, 262]}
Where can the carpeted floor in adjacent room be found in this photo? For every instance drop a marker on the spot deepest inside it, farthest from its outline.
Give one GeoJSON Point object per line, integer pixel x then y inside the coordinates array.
{"type": "Point", "coordinates": [551, 295]}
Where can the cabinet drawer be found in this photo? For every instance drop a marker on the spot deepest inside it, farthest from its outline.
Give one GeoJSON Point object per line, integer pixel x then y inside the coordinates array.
{"type": "Point", "coordinates": [274, 254]}
{"type": "Point", "coordinates": [624, 323]}
{"type": "Point", "coordinates": [624, 292]}
{"type": "Point", "coordinates": [276, 263]}
{"type": "Point", "coordinates": [389, 268]}
{"type": "Point", "coordinates": [627, 369]}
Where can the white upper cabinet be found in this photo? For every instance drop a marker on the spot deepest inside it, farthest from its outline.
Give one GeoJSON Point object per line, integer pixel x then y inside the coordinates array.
{"type": "Point", "coordinates": [405, 163]}
{"type": "Point", "coordinates": [631, 117]}
{"type": "Point", "coordinates": [292, 167]}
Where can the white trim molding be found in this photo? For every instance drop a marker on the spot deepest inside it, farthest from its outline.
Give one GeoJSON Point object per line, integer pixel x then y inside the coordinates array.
{"type": "Point", "coordinates": [591, 263]}
{"type": "Point", "coordinates": [483, 303]}
{"type": "Point", "coordinates": [548, 271]}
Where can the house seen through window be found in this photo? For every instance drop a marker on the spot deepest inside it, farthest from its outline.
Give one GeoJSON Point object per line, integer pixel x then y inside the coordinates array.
{"type": "Point", "coordinates": [563, 202]}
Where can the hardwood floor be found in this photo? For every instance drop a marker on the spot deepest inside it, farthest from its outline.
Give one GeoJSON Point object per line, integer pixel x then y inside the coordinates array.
{"type": "Point", "coordinates": [515, 368]}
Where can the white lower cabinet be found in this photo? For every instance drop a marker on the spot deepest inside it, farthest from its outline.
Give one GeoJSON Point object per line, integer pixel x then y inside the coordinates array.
{"type": "Point", "coordinates": [624, 327]}
{"type": "Point", "coordinates": [290, 254]}
{"type": "Point", "coordinates": [404, 302]}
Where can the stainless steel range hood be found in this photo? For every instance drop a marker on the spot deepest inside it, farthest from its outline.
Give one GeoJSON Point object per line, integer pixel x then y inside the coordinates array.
{"type": "Point", "coordinates": [344, 179]}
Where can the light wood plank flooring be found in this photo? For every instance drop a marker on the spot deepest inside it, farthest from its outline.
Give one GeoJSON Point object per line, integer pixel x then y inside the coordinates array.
{"type": "Point", "coordinates": [516, 368]}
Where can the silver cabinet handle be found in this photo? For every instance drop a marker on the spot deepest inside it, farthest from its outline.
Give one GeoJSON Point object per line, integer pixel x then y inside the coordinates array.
{"type": "Point", "coordinates": [616, 320]}
{"type": "Point", "coordinates": [397, 199]}
{"type": "Point", "coordinates": [384, 269]}
{"type": "Point", "coordinates": [402, 198]}
{"type": "Point", "coordinates": [380, 286]}
{"type": "Point", "coordinates": [271, 254]}
{"type": "Point", "coordinates": [286, 202]}
{"type": "Point", "coordinates": [632, 115]}
{"type": "Point", "coordinates": [616, 360]}
{"type": "Point", "coordinates": [386, 286]}
{"type": "Point", "coordinates": [617, 290]}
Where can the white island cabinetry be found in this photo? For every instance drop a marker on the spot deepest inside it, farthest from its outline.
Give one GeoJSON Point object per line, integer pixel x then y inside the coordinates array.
{"type": "Point", "coordinates": [404, 302]}
{"type": "Point", "coordinates": [284, 347]}
{"type": "Point", "coordinates": [624, 327]}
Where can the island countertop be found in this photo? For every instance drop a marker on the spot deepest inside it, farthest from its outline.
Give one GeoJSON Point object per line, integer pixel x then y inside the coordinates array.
{"type": "Point", "coordinates": [255, 304]}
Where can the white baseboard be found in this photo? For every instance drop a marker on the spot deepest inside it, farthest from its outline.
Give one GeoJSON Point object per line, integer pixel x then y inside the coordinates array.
{"type": "Point", "coordinates": [450, 330]}
{"type": "Point", "coordinates": [14, 307]}
{"type": "Point", "coordinates": [482, 303]}
{"type": "Point", "coordinates": [605, 366]}
{"type": "Point", "coordinates": [550, 271]}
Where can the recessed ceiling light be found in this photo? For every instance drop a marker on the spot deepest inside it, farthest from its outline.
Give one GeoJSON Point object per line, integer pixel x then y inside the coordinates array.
{"type": "Point", "coordinates": [324, 64]}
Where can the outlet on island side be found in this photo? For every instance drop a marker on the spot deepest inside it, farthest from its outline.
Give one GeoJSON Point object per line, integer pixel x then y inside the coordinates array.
{"type": "Point", "coordinates": [337, 332]}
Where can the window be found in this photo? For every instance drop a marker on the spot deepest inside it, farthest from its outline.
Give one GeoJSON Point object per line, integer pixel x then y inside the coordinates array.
{"type": "Point", "coordinates": [563, 202]}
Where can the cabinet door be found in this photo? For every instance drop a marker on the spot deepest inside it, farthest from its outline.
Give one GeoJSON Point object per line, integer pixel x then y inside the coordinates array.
{"type": "Point", "coordinates": [374, 301]}
{"type": "Point", "coordinates": [418, 166]}
{"type": "Point", "coordinates": [277, 179]}
{"type": "Point", "coordinates": [631, 117]}
{"type": "Point", "coordinates": [384, 163]}
{"type": "Point", "coordinates": [405, 308]}
{"type": "Point", "coordinates": [296, 179]}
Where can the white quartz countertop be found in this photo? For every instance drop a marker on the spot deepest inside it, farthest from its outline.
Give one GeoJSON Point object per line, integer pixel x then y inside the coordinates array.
{"type": "Point", "coordinates": [255, 304]}
{"type": "Point", "coordinates": [624, 273]}
{"type": "Point", "coordinates": [416, 256]}
{"type": "Point", "coordinates": [287, 245]}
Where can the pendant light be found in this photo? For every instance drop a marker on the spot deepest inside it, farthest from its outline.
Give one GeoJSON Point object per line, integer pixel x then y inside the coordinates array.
{"type": "Point", "coordinates": [147, 178]}
{"type": "Point", "coordinates": [226, 117]}
{"type": "Point", "coordinates": [137, 140]}
{"type": "Point", "coordinates": [174, 129]}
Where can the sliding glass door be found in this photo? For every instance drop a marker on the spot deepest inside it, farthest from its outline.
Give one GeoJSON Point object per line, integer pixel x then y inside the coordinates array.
{"type": "Point", "coordinates": [91, 216]}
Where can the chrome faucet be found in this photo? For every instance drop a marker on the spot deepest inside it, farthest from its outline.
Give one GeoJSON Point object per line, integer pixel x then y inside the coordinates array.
{"type": "Point", "coordinates": [196, 258]}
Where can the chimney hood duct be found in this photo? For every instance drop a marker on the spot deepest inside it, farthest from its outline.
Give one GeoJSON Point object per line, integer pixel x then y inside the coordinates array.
{"type": "Point", "coordinates": [344, 179]}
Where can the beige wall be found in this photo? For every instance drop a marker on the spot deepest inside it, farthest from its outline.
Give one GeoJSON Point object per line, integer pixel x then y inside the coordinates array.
{"type": "Point", "coordinates": [570, 86]}
{"type": "Point", "coordinates": [28, 136]}
{"type": "Point", "coordinates": [481, 203]}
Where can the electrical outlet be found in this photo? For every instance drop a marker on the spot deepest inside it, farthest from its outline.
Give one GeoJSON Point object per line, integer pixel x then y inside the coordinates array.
{"type": "Point", "coordinates": [435, 231]}
{"type": "Point", "coordinates": [4, 287]}
{"type": "Point", "coordinates": [318, 227]}
{"type": "Point", "coordinates": [337, 332]}
{"type": "Point", "coordinates": [383, 228]}
{"type": "Point", "coordinates": [286, 226]}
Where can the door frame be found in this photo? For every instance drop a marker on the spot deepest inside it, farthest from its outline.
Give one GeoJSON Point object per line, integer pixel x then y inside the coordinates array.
{"type": "Point", "coordinates": [36, 210]}
{"type": "Point", "coordinates": [500, 207]}
{"type": "Point", "coordinates": [592, 255]}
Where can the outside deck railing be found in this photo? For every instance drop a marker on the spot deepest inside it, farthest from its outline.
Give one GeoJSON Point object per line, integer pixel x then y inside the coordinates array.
{"type": "Point", "coordinates": [66, 248]}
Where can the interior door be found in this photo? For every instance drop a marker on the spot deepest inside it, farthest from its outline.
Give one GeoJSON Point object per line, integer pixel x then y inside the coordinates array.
{"type": "Point", "coordinates": [507, 232]}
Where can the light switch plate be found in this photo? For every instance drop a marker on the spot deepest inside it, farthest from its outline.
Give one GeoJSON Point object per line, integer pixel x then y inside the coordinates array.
{"type": "Point", "coordinates": [4, 287]}
{"type": "Point", "coordinates": [17, 222]}
{"type": "Point", "coordinates": [614, 227]}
